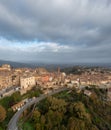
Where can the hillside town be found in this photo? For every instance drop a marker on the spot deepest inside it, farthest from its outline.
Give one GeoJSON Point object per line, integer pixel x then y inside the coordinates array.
{"type": "Point", "coordinates": [24, 87]}
{"type": "Point", "coordinates": [23, 79]}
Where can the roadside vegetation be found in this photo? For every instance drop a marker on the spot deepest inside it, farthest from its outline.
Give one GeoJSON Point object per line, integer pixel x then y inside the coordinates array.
{"type": "Point", "coordinates": [70, 110]}
{"type": "Point", "coordinates": [5, 105]}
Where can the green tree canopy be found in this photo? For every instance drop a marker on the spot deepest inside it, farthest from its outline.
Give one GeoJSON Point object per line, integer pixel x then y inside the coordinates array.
{"type": "Point", "coordinates": [80, 111]}
{"type": "Point", "coordinates": [57, 104]}
{"type": "Point", "coordinates": [16, 97]}
{"type": "Point", "coordinates": [2, 113]}
{"type": "Point", "coordinates": [36, 116]}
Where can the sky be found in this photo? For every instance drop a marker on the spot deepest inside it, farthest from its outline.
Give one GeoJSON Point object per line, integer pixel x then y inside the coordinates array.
{"type": "Point", "coordinates": [55, 31]}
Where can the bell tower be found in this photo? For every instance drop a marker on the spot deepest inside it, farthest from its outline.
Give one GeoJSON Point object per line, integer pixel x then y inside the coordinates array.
{"type": "Point", "coordinates": [58, 70]}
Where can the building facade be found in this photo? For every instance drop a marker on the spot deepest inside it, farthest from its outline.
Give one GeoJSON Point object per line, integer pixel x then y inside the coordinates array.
{"type": "Point", "coordinates": [27, 82]}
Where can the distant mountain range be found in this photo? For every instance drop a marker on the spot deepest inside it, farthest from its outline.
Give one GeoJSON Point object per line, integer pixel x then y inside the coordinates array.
{"type": "Point", "coordinates": [51, 66]}
{"type": "Point", "coordinates": [16, 64]}
{"type": "Point", "coordinates": [48, 66]}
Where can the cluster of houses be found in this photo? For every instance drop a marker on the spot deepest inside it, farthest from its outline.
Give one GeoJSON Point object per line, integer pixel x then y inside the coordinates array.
{"type": "Point", "coordinates": [26, 78]}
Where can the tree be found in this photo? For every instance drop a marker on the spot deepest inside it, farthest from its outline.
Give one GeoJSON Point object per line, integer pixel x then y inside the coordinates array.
{"type": "Point", "coordinates": [2, 113]}
{"type": "Point", "coordinates": [36, 116]}
{"type": "Point", "coordinates": [76, 124]}
{"type": "Point", "coordinates": [42, 122]}
{"type": "Point", "coordinates": [38, 126]}
{"type": "Point", "coordinates": [80, 111]}
{"type": "Point", "coordinates": [63, 127]}
{"type": "Point", "coordinates": [57, 104]}
{"type": "Point", "coordinates": [42, 119]}
{"type": "Point", "coordinates": [16, 97]}
{"type": "Point", "coordinates": [1, 128]}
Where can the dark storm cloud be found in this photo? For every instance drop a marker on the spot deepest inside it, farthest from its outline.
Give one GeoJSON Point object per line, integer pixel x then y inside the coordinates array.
{"type": "Point", "coordinates": [70, 29]}
{"type": "Point", "coordinates": [59, 20]}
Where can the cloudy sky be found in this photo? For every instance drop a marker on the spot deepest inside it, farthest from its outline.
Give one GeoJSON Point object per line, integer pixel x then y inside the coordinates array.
{"type": "Point", "coordinates": [55, 30]}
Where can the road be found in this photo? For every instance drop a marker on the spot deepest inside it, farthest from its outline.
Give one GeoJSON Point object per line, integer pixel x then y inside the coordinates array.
{"type": "Point", "coordinates": [13, 122]}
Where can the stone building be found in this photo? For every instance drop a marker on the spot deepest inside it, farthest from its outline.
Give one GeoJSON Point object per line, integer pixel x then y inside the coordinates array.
{"type": "Point", "coordinates": [5, 79]}
{"type": "Point", "coordinates": [6, 67]}
{"type": "Point", "coordinates": [17, 106]}
{"type": "Point", "coordinates": [27, 82]}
